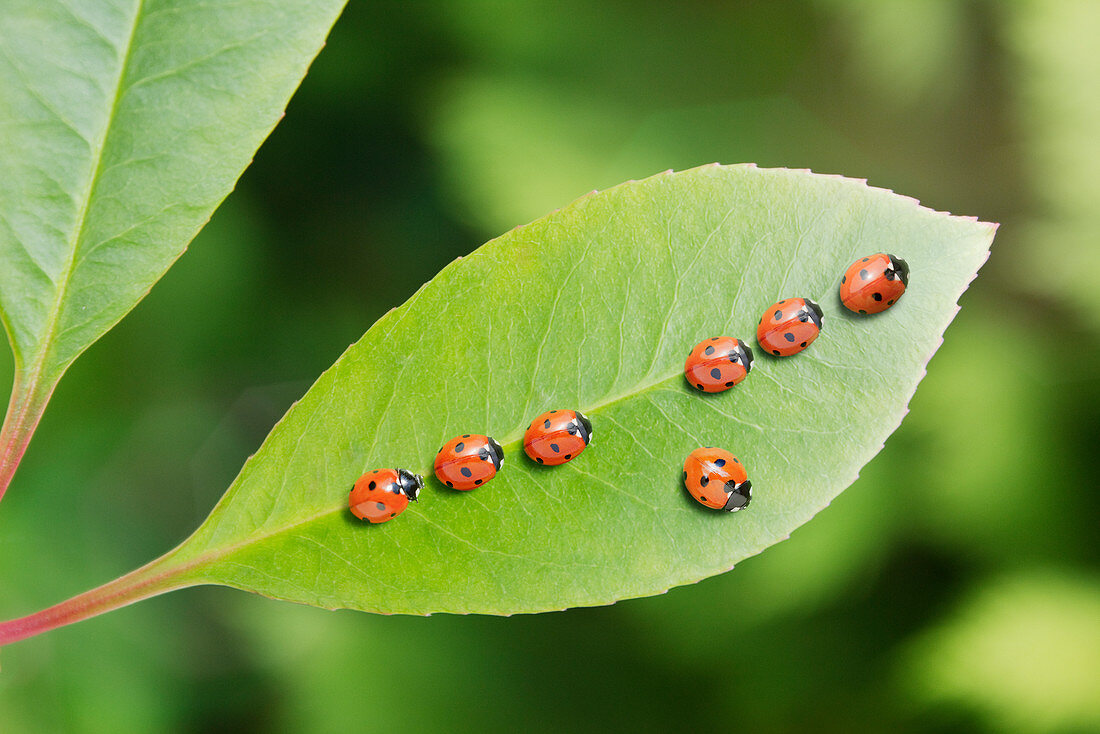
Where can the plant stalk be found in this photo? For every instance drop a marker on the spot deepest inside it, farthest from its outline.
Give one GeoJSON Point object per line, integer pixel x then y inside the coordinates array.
{"type": "Point", "coordinates": [25, 408]}
{"type": "Point", "coordinates": [152, 579]}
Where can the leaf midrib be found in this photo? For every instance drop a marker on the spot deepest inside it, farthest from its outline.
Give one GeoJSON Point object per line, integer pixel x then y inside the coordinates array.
{"type": "Point", "coordinates": [510, 442]}
{"type": "Point", "coordinates": [54, 319]}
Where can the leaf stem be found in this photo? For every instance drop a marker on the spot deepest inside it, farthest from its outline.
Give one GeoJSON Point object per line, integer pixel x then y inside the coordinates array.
{"type": "Point", "coordinates": [25, 408]}
{"type": "Point", "coordinates": [152, 579]}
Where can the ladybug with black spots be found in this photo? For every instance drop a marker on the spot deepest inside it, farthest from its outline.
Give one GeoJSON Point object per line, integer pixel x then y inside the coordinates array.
{"type": "Point", "coordinates": [383, 494]}
{"type": "Point", "coordinates": [874, 283]}
{"type": "Point", "coordinates": [716, 479]}
{"type": "Point", "coordinates": [557, 436]}
{"type": "Point", "coordinates": [789, 326]}
{"type": "Point", "coordinates": [718, 363]}
{"type": "Point", "coordinates": [468, 461]}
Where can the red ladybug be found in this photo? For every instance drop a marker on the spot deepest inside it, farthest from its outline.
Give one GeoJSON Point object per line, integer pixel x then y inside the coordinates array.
{"type": "Point", "coordinates": [718, 363]}
{"type": "Point", "coordinates": [468, 461]}
{"type": "Point", "coordinates": [789, 326]}
{"type": "Point", "coordinates": [716, 479]}
{"type": "Point", "coordinates": [557, 436]}
{"type": "Point", "coordinates": [382, 494]}
{"type": "Point", "coordinates": [874, 283]}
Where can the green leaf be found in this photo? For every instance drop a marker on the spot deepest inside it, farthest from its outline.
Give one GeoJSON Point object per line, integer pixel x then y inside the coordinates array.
{"type": "Point", "coordinates": [594, 307]}
{"type": "Point", "coordinates": [125, 123]}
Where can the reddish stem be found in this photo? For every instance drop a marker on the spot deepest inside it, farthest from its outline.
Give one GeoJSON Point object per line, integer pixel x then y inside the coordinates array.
{"type": "Point", "coordinates": [25, 408]}
{"type": "Point", "coordinates": [152, 579]}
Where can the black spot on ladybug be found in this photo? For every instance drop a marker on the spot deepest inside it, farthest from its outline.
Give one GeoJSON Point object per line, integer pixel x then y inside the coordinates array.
{"type": "Point", "coordinates": [704, 480]}
{"type": "Point", "coordinates": [863, 312]}
{"type": "Point", "coordinates": [708, 350]}
{"type": "Point", "coordinates": [778, 315]}
{"type": "Point", "coordinates": [449, 484]}
{"type": "Point", "coordinates": [539, 461]}
{"type": "Point", "coordinates": [555, 448]}
{"type": "Point", "coordinates": [789, 337]}
{"type": "Point", "coordinates": [553, 411]}
{"type": "Point", "coordinates": [546, 423]}
{"type": "Point", "coordinates": [702, 498]}
{"type": "Point", "coordinates": [395, 489]}
{"type": "Point", "coordinates": [393, 514]}
{"type": "Point", "coordinates": [374, 472]}
{"type": "Point", "coordinates": [466, 471]}
{"type": "Point", "coordinates": [568, 457]}
{"type": "Point", "coordinates": [732, 354]}
{"type": "Point", "coordinates": [876, 296]}
{"type": "Point", "coordinates": [372, 485]}
{"type": "Point", "coordinates": [477, 481]}
{"type": "Point", "coordinates": [719, 462]}
{"type": "Point", "coordinates": [483, 454]}
{"type": "Point", "coordinates": [864, 275]}
{"type": "Point", "coordinates": [866, 259]}
{"type": "Point", "coordinates": [729, 384]}
{"type": "Point", "coordinates": [735, 461]}
{"type": "Point", "coordinates": [379, 505]}
{"type": "Point", "coordinates": [716, 373]}
{"type": "Point", "coordinates": [465, 435]}
{"type": "Point", "coordinates": [844, 279]}
{"type": "Point", "coordinates": [571, 430]}
{"type": "Point", "coordinates": [803, 344]}
{"type": "Point", "coordinates": [699, 386]}
{"type": "Point", "coordinates": [714, 338]}
{"type": "Point", "coordinates": [783, 301]}
{"type": "Point", "coordinates": [459, 447]}
{"type": "Point", "coordinates": [775, 352]}
{"type": "Point", "coordinates": [890, 302]}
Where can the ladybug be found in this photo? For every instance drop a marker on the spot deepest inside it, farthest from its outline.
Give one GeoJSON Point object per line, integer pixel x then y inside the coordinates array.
{"type": "Point", "coordinates": [716, 479]}
{"type": "Point", "coordinates": [789, 326]}
{"type": "Point", "coordinates": [718, 363]}
{"type": "Point", "coordinates": [468, 461]}
{"type": "Point", "coordinates": [383, 494]}
{"type": "Point", "coordinates": [557, 436]}
{"type": "Point", "coordinates": [874, 283]}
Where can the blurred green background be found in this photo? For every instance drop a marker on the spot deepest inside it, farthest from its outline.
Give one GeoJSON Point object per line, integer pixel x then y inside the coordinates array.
{"type": "Point", "coordinates": [953, 588]}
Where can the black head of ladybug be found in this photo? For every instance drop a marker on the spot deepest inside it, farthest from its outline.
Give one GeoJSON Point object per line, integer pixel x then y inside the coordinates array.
{"type": "Point", "coordinates": [739, 496]}
{"type": "Point", "coordinates": [813, 311]}
{"type": "Point", "coordinates": [584, 426]}
{"type": "Point", "coordinates": [899, 269]}
{"type": "Point", "coordinates": [410, 484]}
{"type": "Point", "coordinates": [496, 453]}
{"type": "Point", "coordinates": [743, 354]}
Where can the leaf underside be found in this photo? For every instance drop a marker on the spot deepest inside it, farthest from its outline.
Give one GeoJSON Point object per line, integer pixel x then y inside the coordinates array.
{"type": "Point", "coordinates": [125, 123]}
{"type": "Point", "coordinates": [595, 307]}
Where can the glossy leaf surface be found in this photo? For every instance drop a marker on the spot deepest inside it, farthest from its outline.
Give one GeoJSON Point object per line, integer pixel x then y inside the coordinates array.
{"type": "Point", "coordinates": [124, 124]}
{"type": "Point", "coordinates": [594, 307]}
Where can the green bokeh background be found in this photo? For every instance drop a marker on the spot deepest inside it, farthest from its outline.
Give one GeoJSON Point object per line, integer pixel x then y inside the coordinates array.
{"type": "Point", "coordinates": [953, 588]}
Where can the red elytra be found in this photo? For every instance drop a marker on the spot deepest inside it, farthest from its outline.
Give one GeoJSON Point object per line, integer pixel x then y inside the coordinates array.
{"type": "Point", "coordinates": [874, 283]}
{"type": "Point", "coordinates": [789, 326]}
{"type": "Point", "coordinates": [716, 479]}
{"type": "Point", "coordinates": [468, 461]}
{"type": "Point", "coordinates": [382, 494]}
{"type": "Point", "coordinates": [557, 436]}
{"type": "Point", "coordinates": [718, 363]}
